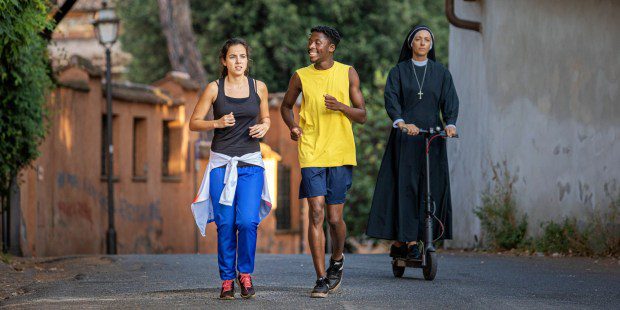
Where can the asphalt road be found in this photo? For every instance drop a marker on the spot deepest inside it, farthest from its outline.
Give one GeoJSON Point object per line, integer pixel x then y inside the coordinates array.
{"type": "Point", "coordinates": [464, 281]}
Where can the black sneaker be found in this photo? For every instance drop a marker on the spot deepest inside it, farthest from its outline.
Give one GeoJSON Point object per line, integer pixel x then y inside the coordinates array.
{"type": "Point", "coordinates": [414, 252]}
{"type": "Point", "coordinates": [398, 251]}
{"type": "Point", "coordinates": [334, 273]}
{"type": "Point", "coordinates": [321, 288]}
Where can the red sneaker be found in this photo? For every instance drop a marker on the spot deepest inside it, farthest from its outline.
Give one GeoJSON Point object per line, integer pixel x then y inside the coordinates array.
{"type": "Point", "coordinates": [228, 290]}
{"type": "Point", "coordinates": [245, 283]}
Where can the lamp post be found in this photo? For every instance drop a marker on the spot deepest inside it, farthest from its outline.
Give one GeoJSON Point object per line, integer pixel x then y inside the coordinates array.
{"type": "Point", "coordinates": [106, 30]}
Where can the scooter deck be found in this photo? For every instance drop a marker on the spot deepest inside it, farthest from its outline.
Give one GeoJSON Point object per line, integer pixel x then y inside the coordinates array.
{"type": "Point", "coordinates": [411, 263]}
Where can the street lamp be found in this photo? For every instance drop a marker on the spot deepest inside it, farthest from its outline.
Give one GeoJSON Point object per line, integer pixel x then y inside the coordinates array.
{"type": "Point", "coordinates": [106, 30]}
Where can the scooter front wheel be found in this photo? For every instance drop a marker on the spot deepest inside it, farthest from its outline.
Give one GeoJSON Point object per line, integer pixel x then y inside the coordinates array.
{"type": "Point", "coordinates": [431, 266]}
{"type": "Point", "coordinates": [397, 270]}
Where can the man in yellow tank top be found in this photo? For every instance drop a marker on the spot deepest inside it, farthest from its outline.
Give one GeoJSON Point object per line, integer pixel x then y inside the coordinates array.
{"type": "Point", "coordinates": [331, 100]}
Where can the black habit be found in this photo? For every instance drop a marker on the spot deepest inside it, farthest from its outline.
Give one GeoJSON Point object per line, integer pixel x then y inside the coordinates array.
{"type": "Point", "coordinates": [397, 211]}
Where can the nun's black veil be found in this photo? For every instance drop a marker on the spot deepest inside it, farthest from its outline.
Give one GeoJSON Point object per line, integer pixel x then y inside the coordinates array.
{"type": "Point", "coordinates": [405, 51]}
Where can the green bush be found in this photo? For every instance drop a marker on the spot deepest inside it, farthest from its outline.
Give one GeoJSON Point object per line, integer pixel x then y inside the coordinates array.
{"type": "Point", "coordinates": [501, 225]}
{"type": "Point", "coordinates": [597, 234]}
{"type": "Point", "coordinates": [559, 237]}
{"type": "Point", "coordinates": [603, 230]}
{"type": "Point", "coordinates": [5, 258]}
{"type": "Point", "coordinates": [24, 84]}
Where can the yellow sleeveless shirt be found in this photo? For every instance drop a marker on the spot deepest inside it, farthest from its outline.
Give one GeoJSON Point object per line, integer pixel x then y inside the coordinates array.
{"type": "Point", "coordinates": [327, 139]}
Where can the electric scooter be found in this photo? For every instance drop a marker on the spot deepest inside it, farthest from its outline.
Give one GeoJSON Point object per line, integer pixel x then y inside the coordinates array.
{"type": "Point", "coordinates": [428, 257]}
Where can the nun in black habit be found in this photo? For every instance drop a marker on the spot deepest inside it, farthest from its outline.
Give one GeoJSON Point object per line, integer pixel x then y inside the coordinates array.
{"type": "Point", "coordinates": [419, 94]}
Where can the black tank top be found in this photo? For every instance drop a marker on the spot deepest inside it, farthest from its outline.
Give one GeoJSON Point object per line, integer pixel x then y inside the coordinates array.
{"type": "Point", "coordinates": [236, 140]}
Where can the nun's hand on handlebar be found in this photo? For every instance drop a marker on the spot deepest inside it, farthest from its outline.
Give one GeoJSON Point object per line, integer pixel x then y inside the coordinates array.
{"type": "Point", "coordinates": [450, 131]}
{"type": "Point", "coordinates": [412, 129]}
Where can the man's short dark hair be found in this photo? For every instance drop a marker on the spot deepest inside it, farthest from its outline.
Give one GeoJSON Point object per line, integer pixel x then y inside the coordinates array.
{"type": "Point", "coordinates": [330, 32]}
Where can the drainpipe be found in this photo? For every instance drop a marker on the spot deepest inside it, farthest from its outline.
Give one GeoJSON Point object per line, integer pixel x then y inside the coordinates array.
{"type": "Point", "coordinates": [4, 207]}
{"type": "Point", "coordinates": [15, 219]}
{"type": "Point", "coordinates": [457, 22]}
{"type": "Point", "coordinates": [194, 181]}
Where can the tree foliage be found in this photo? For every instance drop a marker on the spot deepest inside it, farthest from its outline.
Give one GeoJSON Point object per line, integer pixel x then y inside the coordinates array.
{"type": "Point", "coordinates": [24, 83]}
{"type": "Point", "coordinates": [141, 35]}
{"type": "Point", "coordinates": [277, 31]}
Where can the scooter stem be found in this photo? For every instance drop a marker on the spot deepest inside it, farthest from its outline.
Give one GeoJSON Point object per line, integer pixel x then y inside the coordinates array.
{"type": "Point", "coordinates": [428, 225]}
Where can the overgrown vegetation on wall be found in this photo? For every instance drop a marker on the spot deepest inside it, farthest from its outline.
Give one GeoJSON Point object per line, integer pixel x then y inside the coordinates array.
{"type": "Point", "coordinates": [596, 234]}
{"type": "Point", "coordinates": [503, 228]}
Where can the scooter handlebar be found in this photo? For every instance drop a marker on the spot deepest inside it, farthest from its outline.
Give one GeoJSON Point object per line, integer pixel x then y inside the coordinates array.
{"type": "Point", "coordinates": [431, 131]}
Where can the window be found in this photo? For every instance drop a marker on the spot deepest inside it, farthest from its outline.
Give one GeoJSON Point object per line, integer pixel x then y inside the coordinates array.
{"type": "Point", "coordinates": [139, 162]}
{"type": "Point", "coordinates": [172, 159]}
{"type": "Point", "coordinates": [283, 212]}
{"type": "Point", "coordinates": [165, 168]}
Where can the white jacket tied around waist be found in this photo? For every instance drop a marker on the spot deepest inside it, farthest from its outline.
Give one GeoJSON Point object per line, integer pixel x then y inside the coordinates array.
{"type": "Point", "coordinates": [202, 207]}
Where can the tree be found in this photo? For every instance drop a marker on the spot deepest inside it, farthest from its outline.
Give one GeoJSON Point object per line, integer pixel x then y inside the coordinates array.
{"type": "Point", "coordinates": [142, 36]}
{"type": "Point", "coordinates": [24, 83]}
{"type": "Point", "coordinates": [175, 18]}
{"type": "Point", "coordinates": [60, 13]}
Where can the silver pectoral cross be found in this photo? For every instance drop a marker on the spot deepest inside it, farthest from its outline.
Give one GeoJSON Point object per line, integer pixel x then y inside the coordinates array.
{"type": "Point", "coordinates": [420, 93]}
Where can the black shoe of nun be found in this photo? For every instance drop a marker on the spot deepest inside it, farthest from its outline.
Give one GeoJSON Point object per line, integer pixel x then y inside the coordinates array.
{"type": "Point", "coordinates": [398, 251]}
{"type": "Point", "coordinates": [414, 252]}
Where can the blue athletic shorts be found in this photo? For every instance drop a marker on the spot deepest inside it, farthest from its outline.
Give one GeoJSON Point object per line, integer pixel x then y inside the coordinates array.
{"type": "Point", "coordinates": [331, 182]}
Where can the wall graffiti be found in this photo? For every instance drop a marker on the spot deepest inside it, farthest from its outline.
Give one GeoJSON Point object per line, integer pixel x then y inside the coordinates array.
{"type": "Point", "coordinates": [76, 209]}
{"type": "Point", "coordinates": [149, 214]}
{"type": "Point", "coordinates": [140, 213]}
{"type": "Point", "coordinates": [126, 210]}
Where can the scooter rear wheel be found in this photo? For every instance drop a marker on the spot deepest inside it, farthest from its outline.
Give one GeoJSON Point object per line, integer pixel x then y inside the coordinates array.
{"type": "Point", "coordinates": [397, 271]}
{"type": "Point", "coordinates": [431, 266]}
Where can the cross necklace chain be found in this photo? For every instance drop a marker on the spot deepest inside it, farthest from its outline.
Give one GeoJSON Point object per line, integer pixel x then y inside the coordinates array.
{"type": "Point", "coordinates": [420, 93]}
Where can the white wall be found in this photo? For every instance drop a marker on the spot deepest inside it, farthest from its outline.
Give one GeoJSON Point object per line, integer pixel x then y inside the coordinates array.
{"type": "Point", "coordinates": [539, 88]}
